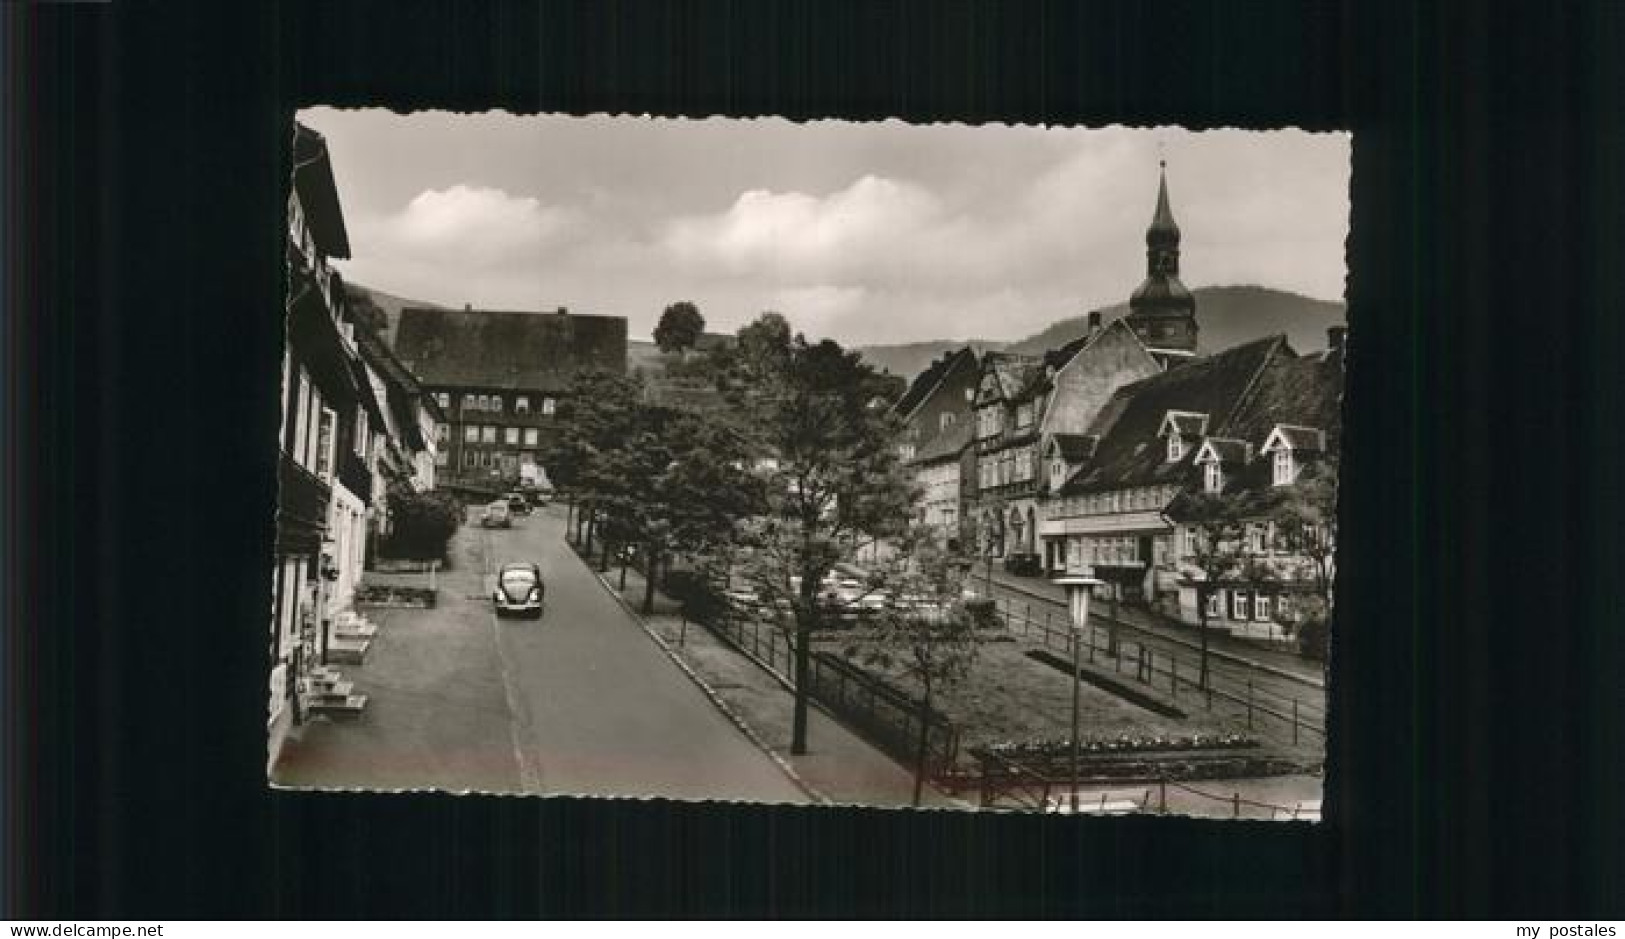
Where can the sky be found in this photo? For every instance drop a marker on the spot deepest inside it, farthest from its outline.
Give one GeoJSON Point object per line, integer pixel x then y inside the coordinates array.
{"type": "Point", "coordinates": [866, 233]}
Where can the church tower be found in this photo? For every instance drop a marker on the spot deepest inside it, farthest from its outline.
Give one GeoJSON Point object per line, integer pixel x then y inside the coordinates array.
{"type": "Point", "coordinates": [1162, 311]}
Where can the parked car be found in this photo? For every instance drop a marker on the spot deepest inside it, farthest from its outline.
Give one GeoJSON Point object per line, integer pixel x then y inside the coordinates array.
{"type": "Point", "coordinates": [519, 589]}
{"type": "Point", "coordinates": [497, 515]}
{"type": "Point", "coordinates": [517, 503]}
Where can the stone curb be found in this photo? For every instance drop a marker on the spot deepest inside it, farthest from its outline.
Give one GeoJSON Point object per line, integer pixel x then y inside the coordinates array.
{"type": "Point", "coordinates": [711, 693]}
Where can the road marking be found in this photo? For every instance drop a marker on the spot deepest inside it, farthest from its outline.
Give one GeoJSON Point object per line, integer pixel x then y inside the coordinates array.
{"type": "Point", "coordinates": [530, 779]}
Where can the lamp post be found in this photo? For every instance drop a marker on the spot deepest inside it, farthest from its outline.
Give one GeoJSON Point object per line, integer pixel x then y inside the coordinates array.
{"type": "Point", "coordinates": [1078, 589]}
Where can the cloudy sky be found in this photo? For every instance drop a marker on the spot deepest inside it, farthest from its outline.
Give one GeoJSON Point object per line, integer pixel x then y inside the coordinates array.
{"type": "Point", "coordinates": [864, 232]}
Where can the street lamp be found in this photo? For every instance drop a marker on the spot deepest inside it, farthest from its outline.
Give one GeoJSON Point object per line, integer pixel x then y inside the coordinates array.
{"type": "Point", "coordinates": [1078, 588]}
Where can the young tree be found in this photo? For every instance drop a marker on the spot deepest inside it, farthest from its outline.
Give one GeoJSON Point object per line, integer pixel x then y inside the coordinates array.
{"type": "Point", "coordinates": [925, 633]}
{"type": "Point", "coordinates": [596, 419]}
{"type": "Point", "coordinates": [1220, 552]}
{"type": "Point", "coordinates": [1306, 520]}
{"type": "Point", "coordinates": [832, 474]}
{"type": "Point", "coordinates": [679, 328]}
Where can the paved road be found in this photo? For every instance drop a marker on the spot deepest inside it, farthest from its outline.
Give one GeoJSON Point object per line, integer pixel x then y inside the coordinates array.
{"type": "Point", "coordinates": [582, 701]}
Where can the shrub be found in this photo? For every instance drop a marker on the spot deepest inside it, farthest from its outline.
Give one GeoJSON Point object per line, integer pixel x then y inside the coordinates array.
{"type": "Point", "coordinates": [1315, 637]}
{"type": "Point", "coordinates": [423, 523]}
{"type": "Point", "coordinates": [983, 614]}
{"type": "Point", "coordinates": [699, 596]}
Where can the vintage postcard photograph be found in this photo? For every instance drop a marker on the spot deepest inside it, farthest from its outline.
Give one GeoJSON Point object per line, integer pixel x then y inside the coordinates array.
{"type": "Point", "coordinates": [957, 467]}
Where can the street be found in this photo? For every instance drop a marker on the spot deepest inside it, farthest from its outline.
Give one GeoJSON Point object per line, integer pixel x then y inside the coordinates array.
{"type": "Point", "coordinates": [580, 702]}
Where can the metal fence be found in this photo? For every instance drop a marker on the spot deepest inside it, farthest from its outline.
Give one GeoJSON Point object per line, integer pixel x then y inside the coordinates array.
{"type": "Point", "coordinates": [886, 715]}
{"type": "Point", "coordinates": [1264, 707]}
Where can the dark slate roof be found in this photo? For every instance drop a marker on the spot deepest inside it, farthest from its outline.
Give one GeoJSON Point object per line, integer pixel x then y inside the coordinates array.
{"type": "Point", "coordinates": [318, 193]}
{"type": "Point", "coordinates": [1015, 373]}
{"type": "Point", "coordinates": [927, 381]}
{"type": "Point", "coordinates": [1076, 448]}
{"type": "Point", "coordinates": [1188, 425]}
{"type": "Point", "coordinates": [1302, 438]}
{"type": "Point", "coordinates": [947, 444]}
{"type": "Point", "coordinates": [534, 351]}
{"type": "Point", "coordinates": [1228, 450]}
{"type": "Point", "coordinates": [1304, 392]}
{"type": "Point", "coordinates": [1131, 454]}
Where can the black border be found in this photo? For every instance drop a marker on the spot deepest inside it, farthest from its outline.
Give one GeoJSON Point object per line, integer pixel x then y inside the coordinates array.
{"type": "Point", "coordinates": [1478, 713]}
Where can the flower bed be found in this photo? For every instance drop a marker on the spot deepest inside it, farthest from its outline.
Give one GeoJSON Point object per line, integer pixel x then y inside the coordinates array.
{"type": "Point", "coordinates": [417, 598]}
{"type": "Point", "coordinates": [1124, 743]}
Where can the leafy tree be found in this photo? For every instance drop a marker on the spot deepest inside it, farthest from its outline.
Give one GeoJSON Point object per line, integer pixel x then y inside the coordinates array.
{"type": "Point", "coordinates": [831, 474]}
{"type": "Point", "coordinates": [596, 418]}
{"type": "Point", "coordinates": [423, 523]}
{"type": "Point", "coordinates": [679, 328]}
{"type": "Point", "coordinates": [1220, 556]}
{"type": "Point", "coordinates": [1306, 523]}
{"type": "Point", "coordinates": [925, 634]}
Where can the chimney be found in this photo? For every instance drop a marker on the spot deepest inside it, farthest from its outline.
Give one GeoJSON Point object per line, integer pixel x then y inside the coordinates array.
{"type": "Point", "coordinates": [1335, 337]}
{"type": "Point", "coordinates": [1094, 322]}
{"type": "Point", "coordinates": [468, 308]}
{"type": "Point", "coordinates": [564, 311]}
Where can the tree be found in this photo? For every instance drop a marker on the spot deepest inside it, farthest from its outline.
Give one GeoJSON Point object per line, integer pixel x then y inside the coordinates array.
{"type": "Point", "coordinates": [596, 418]}
{"type": "Point", "coordinates": [832, 474]}
{"type": "Point", "coordinates": [679, 328]}
{"type": "Point", "coordinates": [1220, 552]}
{"type": "Point", "coordinates": [423, 523]}
{"type": "Point", "coordinates": [1306, 523]}
{"type": "Point", "coordinates": [925, 634]}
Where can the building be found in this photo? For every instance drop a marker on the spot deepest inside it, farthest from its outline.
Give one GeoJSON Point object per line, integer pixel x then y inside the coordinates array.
{"type": "Point", "coordinates": [498, 378]}
{"type": "Point", "coordinates": [319, 397]}
{"type": "Point", "coordinates": [1011, 396]}
{"type": "Point", "coordinates": [1107, 517]}
{"type": "Point", "coordinates": [937, 425]}
{"type": "Point", "coordinates": [1286, 436]}
{"type": "Point", "coordinates": [1162, 311]}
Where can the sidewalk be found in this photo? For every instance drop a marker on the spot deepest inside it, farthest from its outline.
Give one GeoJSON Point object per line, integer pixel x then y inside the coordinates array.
{"type": "Point", "coordinates": [842, 767]}
{"type": "Point", "coordinates": [1239, 650]}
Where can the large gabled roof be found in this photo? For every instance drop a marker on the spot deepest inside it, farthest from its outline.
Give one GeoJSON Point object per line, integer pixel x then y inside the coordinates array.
{"type": "Point", "coordinates": [1130, 452]}
{"type": "Point", "coordinates": [920, 390]}
{"type": "Point", "coordinates": [535, 351]}
{"type": "Point", "coordinates": [318, 193]}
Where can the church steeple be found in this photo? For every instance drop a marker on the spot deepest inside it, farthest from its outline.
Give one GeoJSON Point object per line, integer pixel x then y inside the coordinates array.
{"type": "Point", "coordinates": [1162, 310]}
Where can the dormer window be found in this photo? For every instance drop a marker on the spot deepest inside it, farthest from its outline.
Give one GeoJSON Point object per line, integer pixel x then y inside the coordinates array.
{"type": "Point", "coordinates": [1057, 473]}
{"type": "Point", "coordinates": [1212, 478]}
{"type": "Point", "coordinates": [905, 452]}
{"type": "Point", "coordinates": [1176, 448]}
{"type": "Point", "coordinates": [1285, 472]}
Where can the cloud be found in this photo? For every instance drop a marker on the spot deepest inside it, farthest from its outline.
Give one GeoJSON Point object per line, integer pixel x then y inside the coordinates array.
{"type": "Point", "coordinates": [805, 237]}
{"type": "Point", "coordinates": [467, 227]}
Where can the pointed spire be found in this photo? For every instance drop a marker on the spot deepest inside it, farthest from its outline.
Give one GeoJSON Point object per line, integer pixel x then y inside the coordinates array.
{"type": "Point", "coordinates": [1164, 230]}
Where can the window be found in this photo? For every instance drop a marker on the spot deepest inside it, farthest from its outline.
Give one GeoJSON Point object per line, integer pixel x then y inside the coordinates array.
{"type": "Point", "coordinates": [945, 421]}
{"type": "Point", "coordinates": [470, 457]}
{"type": "Point", "coordinates": [361, 440]}
{"type": "Point", "coordinates": [1240, 605]}
{"type": "Point", "coordinates": [530, 436]}
{"type": "Point", "coordinates": [905, 452]}
{"type": "Point", "coordinates": [1057, 473]}
{"type": "Point", "coordinates": [510, 436]}
{"type": "Point", "coordinates": [547, 405]}
{"type": "Point", "coordinates": [1024, 415]}
{"type": "Point", "coordinates": [488, 434]}
{"type": "Point", "coordinates": [1283, 467]}
{"type": "Point", "coordinates": [1212, 477]}
{"type": "Point", "coordinates": [521, 405]}
{"type": "Point", "coordinates": [444, 400]}
{"type": "Point", "coordinates": [1190, 542]}
{"type": "Point", "coordinates": [1255, 538]}
{"type": "Point", "coordinates": [470, 402]}
{"type": "Point", "coordinates": [1215, 604]}
{"type": "Point", "coordinates": [442, 433]}
{"type": "Point", "coordinates": [1176, 448]}
{"type": "Point", "coordinates": [471, 433]}
{"type": "Point", "coordinates": [301, 405]}
{"type": "Point", "coordinates": [1261, 608]}
{"type": "Point", "coordinates": [441, 458]}
{"type": "Point", "coordinates": [324, 444]}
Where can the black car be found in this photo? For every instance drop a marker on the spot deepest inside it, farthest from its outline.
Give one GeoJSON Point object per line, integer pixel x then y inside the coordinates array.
{"type": "Point", "coordinates": [519, 589]}
{"type": "Point", "coordinates": [517, 503]}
